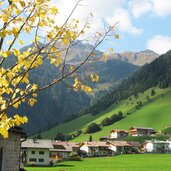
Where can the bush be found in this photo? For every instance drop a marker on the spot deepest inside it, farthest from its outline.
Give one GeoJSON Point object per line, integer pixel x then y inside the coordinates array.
{"type": "Point", "coordinates": [73, 156]}
{"type": "Point", "coordinates": [117, 117]}
{"type": "Point", "coordinates": [153, 92]}
{"type": "Point", "coordinates": [138, 105]}
{"type": "Point", "coordinates": [92, 128]}
{"type": "Point", "coordinates": [106, 122]}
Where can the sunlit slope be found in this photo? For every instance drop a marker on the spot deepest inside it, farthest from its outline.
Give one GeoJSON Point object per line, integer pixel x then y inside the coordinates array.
{"type": "Point", "coordinates": [156, 113]}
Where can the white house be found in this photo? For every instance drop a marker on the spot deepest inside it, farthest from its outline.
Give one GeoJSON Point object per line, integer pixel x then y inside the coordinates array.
{"type": "Point", "coordinates": [116, 134]}
{"type": "Point", "coordinates": [156, 146]}
{"type": "Point", "coordinates": [36, 152]}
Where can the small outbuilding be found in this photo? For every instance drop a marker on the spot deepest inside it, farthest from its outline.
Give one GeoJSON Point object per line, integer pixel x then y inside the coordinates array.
{"type": "Point", "coordinates": [10, 150]}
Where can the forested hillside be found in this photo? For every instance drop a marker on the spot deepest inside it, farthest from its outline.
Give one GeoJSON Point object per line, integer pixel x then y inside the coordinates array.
{"type": "Point", "coordinates": [157, 73]}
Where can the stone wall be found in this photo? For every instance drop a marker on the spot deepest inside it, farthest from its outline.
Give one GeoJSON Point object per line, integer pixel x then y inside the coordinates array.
{"type": "Point", "coordinates": [11, 152]}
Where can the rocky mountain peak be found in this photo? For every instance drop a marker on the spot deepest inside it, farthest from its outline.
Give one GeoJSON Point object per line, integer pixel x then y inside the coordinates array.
{"type": "Point", "coordinates": [136, 58]}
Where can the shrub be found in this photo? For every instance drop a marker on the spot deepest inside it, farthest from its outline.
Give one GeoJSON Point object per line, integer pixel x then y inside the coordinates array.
{"type": "Point", "coordinates": [92, 128]}
{"type": "Point", "coordinates": [74, 156]}
{"type": "Point", "coordinates": [106, 122]}
{"type": "Point", "coordinates": [153, 92]}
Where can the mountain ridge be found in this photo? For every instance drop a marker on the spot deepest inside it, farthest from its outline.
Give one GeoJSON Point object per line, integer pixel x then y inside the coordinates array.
{"type": "Point", "coordinates": [137, 58]}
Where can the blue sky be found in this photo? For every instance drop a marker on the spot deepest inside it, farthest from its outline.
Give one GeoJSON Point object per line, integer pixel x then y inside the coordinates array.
{"type": "Point", "coordinates": [143, 24]}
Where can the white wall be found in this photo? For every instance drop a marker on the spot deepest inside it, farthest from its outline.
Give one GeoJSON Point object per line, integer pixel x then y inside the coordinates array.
{"type": "Point", "coordinates": [149, 147]}
{"type": "Point", "coordinates": [84, 148]}
{"type": "Point", "coordinates": [38, 156]}
{"type": "Point", "coordinates": [114, 135]}
{"type": "Point", "coordinates": [113, 148]}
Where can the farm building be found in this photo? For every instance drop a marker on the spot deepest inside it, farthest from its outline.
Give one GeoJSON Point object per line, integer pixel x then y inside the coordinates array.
{"type": "Point", "coordinates": [120, 147]}
{"type": "Point", "coordinates": [36, 152]}
{"type": "Point", "coordinates": [10, 150]}
{"type": "Point", "coordinates": [116, 134]}
{"type": "Point", "coordinates": [62, 149]}
{"type": "Point", "coordinates": [141, 131]}
{"type": "Point", "coordinates": [96, 148]}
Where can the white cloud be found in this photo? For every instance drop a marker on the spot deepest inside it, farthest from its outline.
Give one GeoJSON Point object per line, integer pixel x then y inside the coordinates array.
{"type": "Point", "coordinates": [157, 7]}
{"type": "Point", "coordinates": [159, 44]}
{"type": "Point", "coordinates": [162, 7]}
{"type": "Point", "coordinates": [140, 7]}
{"type": "Point", "coordinates": [104, 11]}
{"type": "Point", "coordinates": [125, 23]}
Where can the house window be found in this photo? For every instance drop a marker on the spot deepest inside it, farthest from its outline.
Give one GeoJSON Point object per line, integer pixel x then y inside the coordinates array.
{"type": "Point", "coordinates": [1, 158]}
{"type": "Point", "coordinates": [41, 160]}
{"type": "Point", "coordinates": [32, 159]}
{"type": "Point", "coordinates": [41, 152]}
{"type": "Point", "coordinates": [32, 152]}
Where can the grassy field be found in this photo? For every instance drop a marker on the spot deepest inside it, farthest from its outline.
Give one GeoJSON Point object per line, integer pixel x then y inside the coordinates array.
{"type": "Point", "coordinates": [139, 162]}
{"type": "Point", "coordinates": [153, 114]}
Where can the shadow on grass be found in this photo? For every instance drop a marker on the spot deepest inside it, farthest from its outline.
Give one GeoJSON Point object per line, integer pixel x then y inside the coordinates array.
{"type": "Point", "coordinates": [65, 165]}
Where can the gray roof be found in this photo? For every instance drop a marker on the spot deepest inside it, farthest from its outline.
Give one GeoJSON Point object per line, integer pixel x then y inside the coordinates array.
{"type": "Point", "coordinates": [36, 143]}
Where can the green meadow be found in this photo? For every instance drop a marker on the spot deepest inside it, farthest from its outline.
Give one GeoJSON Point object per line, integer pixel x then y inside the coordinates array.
{"type": "Point", "coordinates": [138, 162]}
{"type": "Point", "coordinates": [154, 113]}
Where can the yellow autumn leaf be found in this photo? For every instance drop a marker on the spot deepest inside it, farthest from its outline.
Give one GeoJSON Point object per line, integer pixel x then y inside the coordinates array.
{"type": "Point", "coordinates": [16, 105]}
{"type": "Point", "coordinates": [22, 3]}
{"type": "Point", "coordinates": [5, 54]}
{"type": "Point", "coordinates": [65, 41]}
{"type": "Point", "coordinates": [117, 36]}
{"type": "Point", "coordinates": [15, 32]}
{"type": "Point", "coordinates": [4, 132]}
{"type": "Point", "coordinates": [21, 42]}
{"type": "Point", "coordinates": [54, 10]}
{"type": "Point", "coordinates": [16, 52]}
{"type": "Point", "coordinates": [32, 101]}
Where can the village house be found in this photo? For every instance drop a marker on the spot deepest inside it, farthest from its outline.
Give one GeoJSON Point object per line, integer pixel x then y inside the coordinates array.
{"type": "Point", "coordinates": [36, 152]}
{"type": "Point", "coordinates": [156, 146]}
{"type": "Point", "coordinates": [116, 134]}
{"type": "Point", "coordinates": [120, 147]}
{"type": "Point", "coordinates": [10, 150]}
{"type": "Point", "coordinates": [135, 145]}
{"type": "Point", "coordinates": [96, 148]}
{"type": "Point", "coordinates": [141, 131]}
{"type": "Point", "coordinates": [62, 149]}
